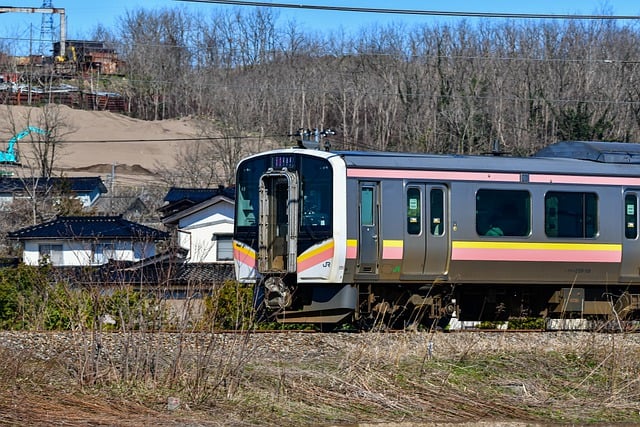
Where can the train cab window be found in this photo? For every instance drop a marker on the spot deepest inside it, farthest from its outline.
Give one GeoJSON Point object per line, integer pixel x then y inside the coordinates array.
{"type": "Point", "coordinates": [503, 213]}
{"type": "Point", "coordinates": [247, 196]}
{"type": "Point", "coordinates": [316, 205]}
{"type": "Point", "coordinates": [570, 214]}
{"type": "Point", "coordinates": [631, 216]}
{"type": "Point", "coordinates": [437, 211]}
{"type": "Point", "coordinates": [414, 210]}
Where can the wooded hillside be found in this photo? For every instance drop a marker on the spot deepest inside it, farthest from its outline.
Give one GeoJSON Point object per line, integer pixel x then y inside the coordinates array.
{"type": "Point", "coordinates": [438, 88]}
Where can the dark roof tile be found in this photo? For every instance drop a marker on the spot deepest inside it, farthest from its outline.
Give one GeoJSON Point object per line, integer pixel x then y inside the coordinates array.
{"type": "Point", "coordinates": [83, 227]}
{"type": "Point", "coordinates": [197, 195]}
{"type": "Point", "coordinates": [75, 184]}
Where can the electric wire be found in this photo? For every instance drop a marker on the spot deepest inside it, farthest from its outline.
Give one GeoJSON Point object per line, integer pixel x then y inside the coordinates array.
{"type": "Point", "coordinates": [160, 140]}
{"type": "Point", "coordinates": [417, 12]}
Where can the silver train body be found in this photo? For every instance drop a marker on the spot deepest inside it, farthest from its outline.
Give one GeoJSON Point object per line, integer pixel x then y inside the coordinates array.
{"type": "Point", "coordinates": [329, 237]}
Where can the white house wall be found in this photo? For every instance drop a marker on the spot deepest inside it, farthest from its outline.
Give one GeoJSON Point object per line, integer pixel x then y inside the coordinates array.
{"type": "Point", "coordinates": [5, 201]}
{"type": "Point", "coordinates": [201, 242]}
{"type": "Point", "coordinates": [86, 200]}
{"type": "Point", "coordinates": [196, 231]}
{"type": "Point", "coordinates": [78, 253]}
{"type": "Point", "coordinates": [213, 213]}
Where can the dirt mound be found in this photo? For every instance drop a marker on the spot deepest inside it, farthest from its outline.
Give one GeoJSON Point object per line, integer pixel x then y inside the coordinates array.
{"type": "Point", "coordinates": [95, 141]}
{"type": "Point", "coordinates": [104, 168]}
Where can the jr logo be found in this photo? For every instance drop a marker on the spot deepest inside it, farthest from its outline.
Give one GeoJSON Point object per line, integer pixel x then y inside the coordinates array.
{"type": "Point", "coordinates": [326, 264]}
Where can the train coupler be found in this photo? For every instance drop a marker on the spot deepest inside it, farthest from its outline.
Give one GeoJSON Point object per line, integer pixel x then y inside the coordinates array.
{"type": "Point", "coordinates": [276, 294]}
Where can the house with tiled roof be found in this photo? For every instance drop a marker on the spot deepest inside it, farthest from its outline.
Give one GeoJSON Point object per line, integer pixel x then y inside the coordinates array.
{"type": "Point", "coordinates": [121, 252]}
{"type": "Point", "coordinates": [202, 222]}
{"type": "Point", "coordinates": [87, 241]}
{"type": "Point", "coordinates": [180, 198]}
{"type": "Point", "coordinates": [130, 207]}
{"type": "Point", "coordinates": [86, 189]}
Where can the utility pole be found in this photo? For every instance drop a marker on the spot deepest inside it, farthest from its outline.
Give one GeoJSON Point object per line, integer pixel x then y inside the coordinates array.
{"type": "Point", "coordinates": [48, 10]}
{"type": "Point", "coordinates": [46, 28]}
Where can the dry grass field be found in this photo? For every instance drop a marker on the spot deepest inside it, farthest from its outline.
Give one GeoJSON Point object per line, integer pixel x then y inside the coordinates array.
{"type": "Point", "coordinates": [314, 379]}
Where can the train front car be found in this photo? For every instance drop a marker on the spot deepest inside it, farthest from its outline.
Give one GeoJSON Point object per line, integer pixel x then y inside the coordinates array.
{"type": "Point", "coordinates": [290, 236]}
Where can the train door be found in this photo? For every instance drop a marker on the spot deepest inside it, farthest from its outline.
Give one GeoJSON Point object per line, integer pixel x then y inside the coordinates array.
{"type": "Point", "coordinates": [426, 243]}
{"type": "Point", "coordinates": [630, 269]}
{"type": "Point", "coordinates": [369, 222]}
{"type": "Point", "coordinates": [437, 250]}
{"type": "Point", "coordinates": [278, 222]}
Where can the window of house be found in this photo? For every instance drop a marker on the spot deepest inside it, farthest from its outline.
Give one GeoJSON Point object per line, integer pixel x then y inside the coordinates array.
{"type": "Point", "coordinates": [503, 213]}
{"type": "Point", "coordinates": [570, 214]}
{"type": "Point", "coordinates": [224, 247]}
{"type": "Point", "coordinates": [103, 252]}
{"type": "Point", "coordinates": [51, 253]}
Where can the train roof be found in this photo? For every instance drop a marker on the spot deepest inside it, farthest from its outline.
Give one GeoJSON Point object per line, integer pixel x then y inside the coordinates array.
{"type": "Point", "coordinates": [604, 152]}
{"type": "Point", "coordinates": [583, 157]}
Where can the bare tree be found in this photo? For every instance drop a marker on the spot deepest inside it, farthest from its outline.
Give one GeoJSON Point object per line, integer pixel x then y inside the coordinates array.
{"type": "Point", "coordinates": [158, 61]}
{"type": "Point", "coordinates": [39, 152]}
{"type": "Point", "coordinates": [48, 147]}
{"type": "Point", "coordinates": [195, 167]}
{"type": "Point", "coordinates": [230, 148]}
{"type": "Point", "coordinates": [211, 162]}
{"type": "Point", "coordinates": [444, 88]}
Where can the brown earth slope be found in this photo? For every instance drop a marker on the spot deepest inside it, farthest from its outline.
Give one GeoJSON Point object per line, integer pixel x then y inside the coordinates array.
{"type": "Point", "coordinates": [96, 141]}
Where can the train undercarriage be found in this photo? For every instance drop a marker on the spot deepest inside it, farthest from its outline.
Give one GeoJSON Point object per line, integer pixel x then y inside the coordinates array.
{"type": "Point", "coordinates": [447, 306]}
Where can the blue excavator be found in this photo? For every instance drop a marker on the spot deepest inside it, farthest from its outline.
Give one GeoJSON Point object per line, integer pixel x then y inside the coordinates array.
{"type": "Point", "coordinates": [10, 156]}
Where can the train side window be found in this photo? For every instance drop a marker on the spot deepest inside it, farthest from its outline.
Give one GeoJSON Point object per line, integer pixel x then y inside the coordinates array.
{"type": "Point", "coordinates": [414, 210]}
{"type": "Point", "coordinates": [503, 213]}
{"type": "Point", "coordinates": [366, 206]}
{"type": "Point", "coordinates": [570, 214]}
{"type": "Point", "coordinates": [437, 211]}
{"type": "Point", "coordinates": [631, 216]}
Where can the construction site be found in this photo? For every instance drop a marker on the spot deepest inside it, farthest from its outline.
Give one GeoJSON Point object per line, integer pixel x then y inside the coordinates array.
{"type": "Point", "coordinates": [60, 70]}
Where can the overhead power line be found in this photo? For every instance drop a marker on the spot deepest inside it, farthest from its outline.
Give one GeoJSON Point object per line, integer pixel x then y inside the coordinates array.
{"type": "Point", "coordinates": [416, 11]}
{"type": "Point", "coordinates": [194, 139]}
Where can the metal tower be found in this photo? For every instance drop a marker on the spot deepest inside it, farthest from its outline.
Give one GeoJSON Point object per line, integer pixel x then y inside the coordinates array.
{"type": "Point", "coordinates": [46, 29]}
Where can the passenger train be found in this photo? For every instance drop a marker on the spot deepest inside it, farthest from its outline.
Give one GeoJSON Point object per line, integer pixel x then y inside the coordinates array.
{"type": "Point", "coordinates": [333, 237]}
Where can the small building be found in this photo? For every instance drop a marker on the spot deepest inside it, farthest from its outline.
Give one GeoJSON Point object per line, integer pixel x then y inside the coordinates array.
{"type": "Point", "coordinates": [87, 241]}
{"type": "Point", "coordinates": [89, 55]}
{"type": "Point", "coordinates": [130, 207]}
{"type": "Point", "coordinates": [86, 189]}
{"type": "Point", "coordinates": [202, 222]}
